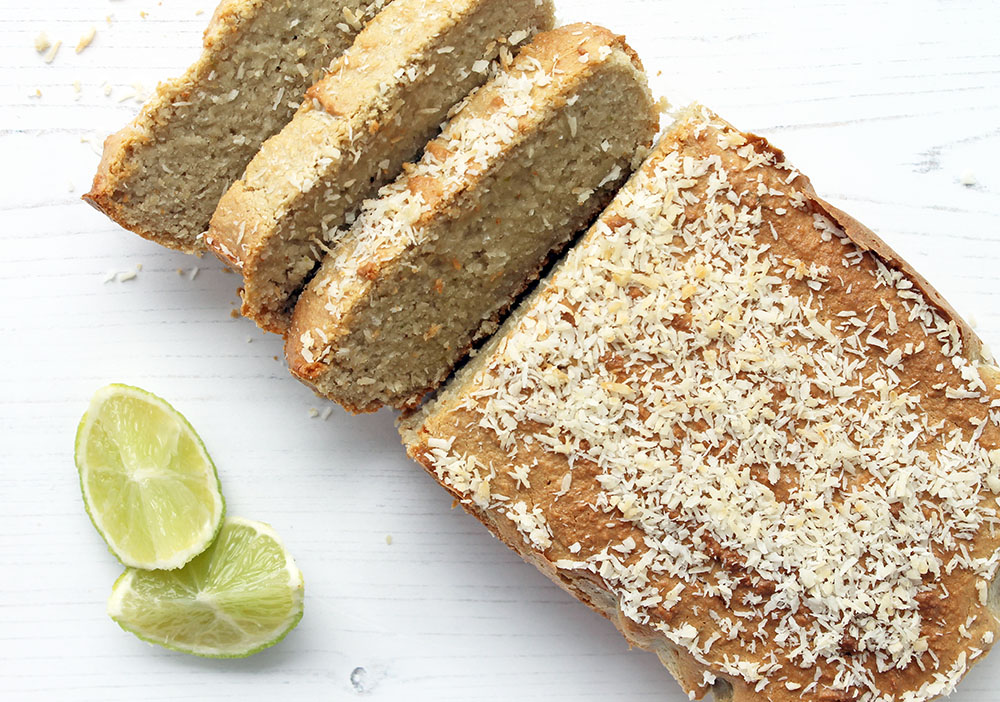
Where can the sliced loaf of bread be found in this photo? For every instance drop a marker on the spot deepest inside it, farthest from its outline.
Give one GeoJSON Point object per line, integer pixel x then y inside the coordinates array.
{"type": "Point", "coordinates": [434, 262]}
{"type": "Point", "coordinates": [162, 175]}
{"type": "Point", "coordinates": [377, 107]}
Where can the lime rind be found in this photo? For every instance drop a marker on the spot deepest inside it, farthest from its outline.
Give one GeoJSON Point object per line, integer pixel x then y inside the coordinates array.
{"type": "Point", "coordinates": [200, 542]}
{"type": "Point", "coordinates": [189, 599]}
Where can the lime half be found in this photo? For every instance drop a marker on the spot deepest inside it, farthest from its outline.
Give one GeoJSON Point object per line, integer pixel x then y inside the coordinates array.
{"type": "Point", "coordinates": [148, 484]}
{"type": "Point", "coordinates": [242, 595]}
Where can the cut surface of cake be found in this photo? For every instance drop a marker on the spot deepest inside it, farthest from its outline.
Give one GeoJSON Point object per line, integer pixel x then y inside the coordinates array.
{"type": "Point", "coordinates": [737, 424]}
{"type": "Point", "coordinates": [379, 104]}
{"type": "Point", "coordinates": [162, 175]}
{"type": "Point", "coordinates": [437, 258]}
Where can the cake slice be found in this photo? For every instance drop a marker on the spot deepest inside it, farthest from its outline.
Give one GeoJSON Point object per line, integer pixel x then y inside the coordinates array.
{"type": "Point", "coordinates": [737, 424]}
{"type": "Point", "coordinates": [432, 264]}
{"type": "Point", "coordinates": [380, 103]}
{"type": "Point", "coordinates": [162, 175]}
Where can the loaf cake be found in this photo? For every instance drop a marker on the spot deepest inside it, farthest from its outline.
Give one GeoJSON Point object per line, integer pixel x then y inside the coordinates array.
{"type": "Point", "coordinates": [737, 424]}
{"type": "Point", "coordinates": [382, 100]}
{"type": "Point", "coordinates": [162, 175]}
{"type": "Point", "coordinates": [432, 263]}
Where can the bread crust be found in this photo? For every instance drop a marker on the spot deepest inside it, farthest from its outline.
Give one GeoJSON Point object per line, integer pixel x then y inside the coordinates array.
{"type": "Point", "coordinates": [867, 240]}
{"type": "Point", "coordinates": [110, 192]}
{"type": "Point", "coordinates": [458, 441]}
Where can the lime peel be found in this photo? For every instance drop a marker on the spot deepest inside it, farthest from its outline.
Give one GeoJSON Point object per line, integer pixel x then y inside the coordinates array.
{"type": "Point", "coordinates": [241, 596]}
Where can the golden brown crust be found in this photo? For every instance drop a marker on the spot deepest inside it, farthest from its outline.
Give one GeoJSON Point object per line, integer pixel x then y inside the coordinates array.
{"type": "Point", "coordinates": [457, 439]}
{"type": "Point", "coordinates": [867, 240]}
{"type": "Point", "coordinates": [582, 585]}
{"type": "Point", "coordinates": [688, 672]}
{"type": "Point", "coordinates": [504, 530]}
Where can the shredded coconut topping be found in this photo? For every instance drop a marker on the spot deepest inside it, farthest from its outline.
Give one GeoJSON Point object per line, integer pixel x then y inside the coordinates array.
{"type": "Point", "coordinates": [787, 461]}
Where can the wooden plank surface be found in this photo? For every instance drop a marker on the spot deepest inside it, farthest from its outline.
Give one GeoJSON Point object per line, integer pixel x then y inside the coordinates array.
{"type": "Point", "coordinates": [892, 107]}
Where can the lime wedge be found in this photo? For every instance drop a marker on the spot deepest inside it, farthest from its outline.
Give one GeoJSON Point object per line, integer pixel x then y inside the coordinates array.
{"type": "Point", "coordinates": [148, 484]}
{"type": "Point", "coordinates": [240, 596]}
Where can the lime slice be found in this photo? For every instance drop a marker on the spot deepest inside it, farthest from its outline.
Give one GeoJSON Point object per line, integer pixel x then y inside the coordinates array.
{"type": "Point", "coordinates": [240, 596]}
{"type": "Point", "coordinates": [148, 483]}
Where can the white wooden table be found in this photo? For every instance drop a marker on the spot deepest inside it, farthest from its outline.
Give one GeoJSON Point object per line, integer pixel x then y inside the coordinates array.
{"type": "Point", "coordinates": [889, 105]}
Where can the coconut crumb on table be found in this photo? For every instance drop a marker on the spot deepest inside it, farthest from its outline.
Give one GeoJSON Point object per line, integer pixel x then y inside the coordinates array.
{"type": "Point", "coordinates": [42, 43]}
{"type": "Point", "coordinates": [120, 276]}
{"type": "Point", "coordinates": [86, 39]}
{"type": "Point", "coordinates": [50, 55]}
{"type": "Point", "coordinates": [139, 93]}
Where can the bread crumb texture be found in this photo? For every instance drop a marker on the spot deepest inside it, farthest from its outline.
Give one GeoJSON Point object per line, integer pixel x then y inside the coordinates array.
{"type": "Point", "coordinates": [737, 424]}
{"type": "Point", "coordinates": [432, 264]}
{"type": "Point", "coordinates": [162, 175]}
{"type": "Point", "coordinates": [378, 105]}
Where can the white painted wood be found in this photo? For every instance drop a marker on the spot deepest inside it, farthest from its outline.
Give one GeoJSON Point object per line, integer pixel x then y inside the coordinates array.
{"type": "Point", "coordinates": [884, 103]}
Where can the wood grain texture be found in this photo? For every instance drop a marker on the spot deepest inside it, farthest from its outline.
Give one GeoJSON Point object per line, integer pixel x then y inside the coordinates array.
{"type": "Point", "coordinates": [885, 105]}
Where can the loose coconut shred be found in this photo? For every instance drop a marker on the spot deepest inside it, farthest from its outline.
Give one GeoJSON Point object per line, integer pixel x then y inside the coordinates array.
{"type": "Point", "coordinates": [787, 456]}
